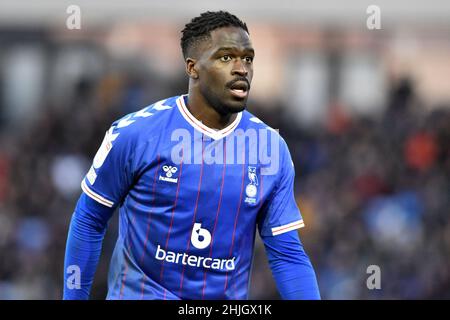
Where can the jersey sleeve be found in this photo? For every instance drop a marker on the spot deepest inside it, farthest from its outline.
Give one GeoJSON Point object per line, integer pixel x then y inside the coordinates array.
{"type": "Point", "coordinates": [112, 171]}
{"type": "Point", "coordinates": [281, 213]}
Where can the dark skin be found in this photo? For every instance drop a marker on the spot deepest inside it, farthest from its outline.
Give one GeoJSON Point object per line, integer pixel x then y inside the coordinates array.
{"type": "Point", "coordinates": [220, 72]}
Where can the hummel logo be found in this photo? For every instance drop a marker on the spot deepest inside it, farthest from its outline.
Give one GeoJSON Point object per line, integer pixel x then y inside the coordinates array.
{"type": "Point", "coordinates": [169, 171]}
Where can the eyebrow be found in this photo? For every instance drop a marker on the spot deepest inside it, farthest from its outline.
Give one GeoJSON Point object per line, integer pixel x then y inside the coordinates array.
{"type": "Point", "coordinates": [248, 49]}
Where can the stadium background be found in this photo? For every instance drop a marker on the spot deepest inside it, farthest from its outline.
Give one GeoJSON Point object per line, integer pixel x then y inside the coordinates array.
{"type": "Point", "coordinates": [366, 114]}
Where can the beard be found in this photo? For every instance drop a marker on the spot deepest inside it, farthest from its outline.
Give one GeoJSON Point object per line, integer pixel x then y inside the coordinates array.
{"type": "Point", "coordinates": [221, 103]}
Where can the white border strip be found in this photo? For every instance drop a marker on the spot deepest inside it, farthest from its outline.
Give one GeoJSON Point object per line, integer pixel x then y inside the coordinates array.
{"type": "Point", "coordinates": [201, 127]}
{"type": "Point", "coordinates": [96, 196]}
{"type": "Point", "coordinates": [288, 227]}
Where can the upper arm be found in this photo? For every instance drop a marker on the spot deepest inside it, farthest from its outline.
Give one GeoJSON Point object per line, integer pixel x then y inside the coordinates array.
{"type": "Point", "coordinates": [112, 171]}
{"type": "Point", "coordinates": [281, 214]}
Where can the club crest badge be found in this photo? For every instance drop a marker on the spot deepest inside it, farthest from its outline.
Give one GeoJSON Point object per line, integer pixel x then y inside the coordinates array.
{"type": "Point", "coordinates": [251, 190]}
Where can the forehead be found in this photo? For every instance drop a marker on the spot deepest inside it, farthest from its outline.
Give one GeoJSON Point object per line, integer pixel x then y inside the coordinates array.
{"type": "Point", "coordinates": [229, 37]}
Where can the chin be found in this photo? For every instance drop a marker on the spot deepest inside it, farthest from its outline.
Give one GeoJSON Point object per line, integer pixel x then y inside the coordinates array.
{"type": "Point", "coordinates": [235, 106]}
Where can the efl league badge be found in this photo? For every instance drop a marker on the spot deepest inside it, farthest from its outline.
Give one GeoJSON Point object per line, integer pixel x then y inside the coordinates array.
{"type": "Point", "coordinates": [251, 190]}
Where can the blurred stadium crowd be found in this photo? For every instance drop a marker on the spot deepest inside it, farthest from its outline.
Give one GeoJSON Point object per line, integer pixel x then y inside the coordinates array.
{"type": "Point", "coordinates": [372, 190]}
{"type": "Point", "coordinates": [375, 192]}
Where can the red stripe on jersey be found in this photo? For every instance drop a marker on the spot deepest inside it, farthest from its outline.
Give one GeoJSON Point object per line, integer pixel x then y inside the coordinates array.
{"type": "Point", "coordinates": [218, 210]}
{"type": "Point", "coordinates": [171, 220]}
{"type": "Point", "coordinates": [195, 121]}
{"type": "Point", "coordinates": [195, 214]}
{"type": "Point", "coordinates": [243, 238]}
{"type": "Point", "coordinates": [199, 125]}
{"type": "Point", "coordinates": [236, 219]}
{"type": "Point", "coordinates": [148, 222]}
{"type": "Point", "coordinates": [133, 219]}
{"type": "Point", "coordinates": [260, 191]}
{"type": "Point", "coordinates": [144, 277]}
{"type": "Point", "coordinates": [297, 224]}
{"type": "Point", "coordinates": [230, 129]}
{"type": "Point", "coordinates": [123, 280]}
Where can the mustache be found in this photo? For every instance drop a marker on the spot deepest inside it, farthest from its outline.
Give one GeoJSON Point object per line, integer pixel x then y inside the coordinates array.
{"type": "Point", "coordinates": [229, 84]}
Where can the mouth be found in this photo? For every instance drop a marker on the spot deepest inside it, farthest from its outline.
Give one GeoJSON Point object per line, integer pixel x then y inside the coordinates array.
{"type": "Point", "coordinates": [239, 89]}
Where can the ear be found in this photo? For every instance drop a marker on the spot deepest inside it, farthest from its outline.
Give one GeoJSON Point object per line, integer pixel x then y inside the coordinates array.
{"type": "Point", "coordinates": [191, 68]}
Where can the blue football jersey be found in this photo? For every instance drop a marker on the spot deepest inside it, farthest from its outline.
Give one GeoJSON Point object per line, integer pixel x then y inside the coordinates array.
{"type": "Point", "coordinates": [190, 200]}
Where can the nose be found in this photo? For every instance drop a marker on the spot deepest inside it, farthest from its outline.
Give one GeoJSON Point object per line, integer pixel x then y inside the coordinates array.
{"type": "Point", "coordinates": [239, 68]}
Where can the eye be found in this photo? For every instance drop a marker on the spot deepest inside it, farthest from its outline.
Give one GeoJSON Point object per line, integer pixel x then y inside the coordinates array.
{"type": "Point", "coordinates": [225, 58]}
{"type": "Point", "coordinates": [248, 59]}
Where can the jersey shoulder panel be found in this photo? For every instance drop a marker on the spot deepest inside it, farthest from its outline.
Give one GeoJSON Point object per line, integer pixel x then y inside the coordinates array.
{"type": "Point", "coordinates": [252, 121]}
{"type": "Point", "coordinates": [146, 121]}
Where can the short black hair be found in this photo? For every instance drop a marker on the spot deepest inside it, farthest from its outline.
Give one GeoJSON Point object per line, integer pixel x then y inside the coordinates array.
{"type": "Point", "coordinates": [200, 27]}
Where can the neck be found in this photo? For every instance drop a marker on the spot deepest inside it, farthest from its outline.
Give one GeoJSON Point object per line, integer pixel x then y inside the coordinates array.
{"type": "Point", "coordinates": [204, 112]}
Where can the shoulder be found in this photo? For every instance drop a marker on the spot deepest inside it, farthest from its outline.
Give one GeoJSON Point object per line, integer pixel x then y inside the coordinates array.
{"type": "Point", "coordinates": [250, 121]}
{"type": "Point", "coordinates": [141, 125]}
